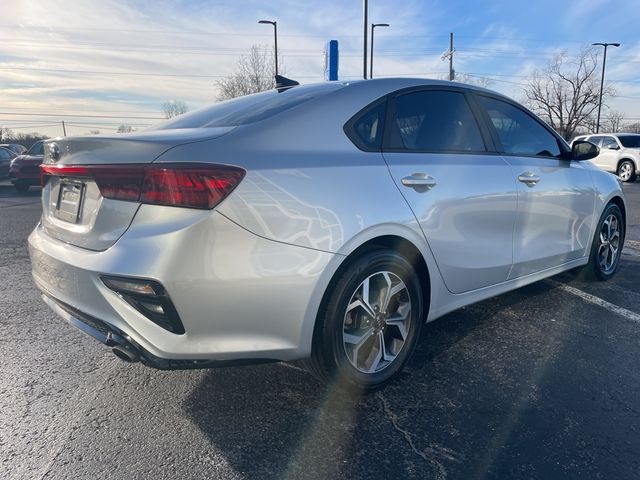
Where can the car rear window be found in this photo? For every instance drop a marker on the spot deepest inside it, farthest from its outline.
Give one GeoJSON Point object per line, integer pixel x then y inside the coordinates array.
{"type": "Point", "coordinates": [249, 108]}
{"type": "Point", "coordinates": [630, 141]}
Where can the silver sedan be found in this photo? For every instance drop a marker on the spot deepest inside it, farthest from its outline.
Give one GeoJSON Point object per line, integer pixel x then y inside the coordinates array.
{"type": "Point", "coordinates": [325, 222]}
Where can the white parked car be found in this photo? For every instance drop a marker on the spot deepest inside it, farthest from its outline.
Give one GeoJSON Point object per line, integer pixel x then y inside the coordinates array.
{"type": "Point", "coordinates": [619, 153]}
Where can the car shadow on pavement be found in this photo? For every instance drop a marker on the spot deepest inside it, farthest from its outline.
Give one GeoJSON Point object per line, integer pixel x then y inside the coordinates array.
{"type": "Point", "coordinates": [10, 191]}
{"type": "Point", "coordinates": [277, 421]}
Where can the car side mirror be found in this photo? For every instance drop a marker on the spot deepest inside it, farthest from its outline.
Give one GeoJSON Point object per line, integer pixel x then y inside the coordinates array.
{"type": "Point", "coordinates": [613, 147]}
{"type": "Point", "coordinates": [583, 150]}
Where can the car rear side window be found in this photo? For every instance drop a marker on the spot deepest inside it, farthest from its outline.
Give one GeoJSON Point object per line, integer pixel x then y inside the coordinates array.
{"type": "Point", "coordinates": [608, 142]}
{"type": "Point", "coordinates": [519, 132]}
{"type": "Point", "coordinates": [433, 120]}
{"type": "Point", "coordinates": [36, 149]}
{"type": "Point", "coordinates": [630, 141]}
{"type": "Point", "coordinates": [365, 128]}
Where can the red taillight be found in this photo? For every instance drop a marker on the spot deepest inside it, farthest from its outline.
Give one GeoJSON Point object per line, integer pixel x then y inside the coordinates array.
{"type": "Point", "coordinates": [190, 185]}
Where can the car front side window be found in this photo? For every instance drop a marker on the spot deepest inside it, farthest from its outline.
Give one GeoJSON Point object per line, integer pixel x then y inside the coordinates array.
{"type": "Point", "coordinates": [518, 132]}
{"type": "Point", "coordinates": [596, 140]}
{"type": "Point", "coordinates": [609, 142]}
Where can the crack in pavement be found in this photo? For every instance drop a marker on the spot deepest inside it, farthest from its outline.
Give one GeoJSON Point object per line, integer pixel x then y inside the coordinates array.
{"type": "Point", "coordinates": [431, 451]}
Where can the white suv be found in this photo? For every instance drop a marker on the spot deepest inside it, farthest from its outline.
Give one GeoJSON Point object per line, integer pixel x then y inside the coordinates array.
{"type": "Point", "coordinates": [619, 153]}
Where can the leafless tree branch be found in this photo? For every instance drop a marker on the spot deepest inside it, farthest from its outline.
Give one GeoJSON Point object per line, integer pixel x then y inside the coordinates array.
{"type": "Point", "coordinates": [566, 92]}
{"type": "Point", "coordinates": [255, 73]}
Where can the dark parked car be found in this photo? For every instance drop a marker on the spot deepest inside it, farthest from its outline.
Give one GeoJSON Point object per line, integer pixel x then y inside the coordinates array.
{"type": "Point", "coordinates": [14, 147]}
{"type": "Point", "coordinates": [6, 156]}
{"type": "Point", "coordinates": [25, 169]}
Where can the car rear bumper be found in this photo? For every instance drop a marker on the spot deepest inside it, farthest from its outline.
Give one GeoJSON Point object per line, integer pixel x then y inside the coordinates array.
{"type": "Point", "coordinates": [114, 338]}
{"type": "Point", "coordinates": [239, 296]}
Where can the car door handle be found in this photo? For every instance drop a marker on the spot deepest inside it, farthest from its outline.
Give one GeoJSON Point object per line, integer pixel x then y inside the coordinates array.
{"type": "Point", "coordinates": [420, 181]}
{"type": "Point", "coordinates": [528, 178]}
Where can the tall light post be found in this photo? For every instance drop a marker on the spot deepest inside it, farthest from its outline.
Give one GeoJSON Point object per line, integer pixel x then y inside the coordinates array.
{"type": "Point", "coordinates": [604, 62]}
{"type": "Point", "coordinates": [275, 38]}
{"type": "Point", "coordinates": [373, 26]}
{"type": "Point", "coordinates": [365, 15]}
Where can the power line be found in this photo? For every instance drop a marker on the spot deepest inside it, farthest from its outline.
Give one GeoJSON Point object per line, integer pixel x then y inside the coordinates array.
{"type": "Point", "coordinates": [82, 116]}
{"type": "Point", "coordinates": [125, 112]}
{"type": "Point", "coordinates": [49, 28]}
{"type": "Point", "coordinates": [210, 50]}
{"type": "Point", "coordinates": [99, 72]}
{"type": "Point", "coordinates": [18, 127]}
{"type": "Point", "coordinates": [139, 74]}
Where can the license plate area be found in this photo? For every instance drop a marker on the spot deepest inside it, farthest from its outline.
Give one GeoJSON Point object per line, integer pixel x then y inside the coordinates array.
{"type": "Point", "coordinates": [69, 201]}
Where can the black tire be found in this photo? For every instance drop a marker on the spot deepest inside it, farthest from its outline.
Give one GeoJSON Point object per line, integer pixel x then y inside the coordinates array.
{"type": "Point", "coordinates": [329, 359]}
{"type": "Point", "coordinates": [595, 270]}
{"type": "Point", "coordinates": [627, 171]}
{"type": "Point", "coordinates": [21, 187]}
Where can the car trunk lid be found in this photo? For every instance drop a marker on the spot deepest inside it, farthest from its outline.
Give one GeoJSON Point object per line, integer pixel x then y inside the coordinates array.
{"type": "Point", "coordinates": [75, 210]}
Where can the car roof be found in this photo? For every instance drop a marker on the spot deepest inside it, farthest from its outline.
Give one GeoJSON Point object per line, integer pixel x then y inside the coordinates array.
{"type": "Point", "coordinates": [616, 134]}
{"type": "Point", "coordinates": [396, 83]}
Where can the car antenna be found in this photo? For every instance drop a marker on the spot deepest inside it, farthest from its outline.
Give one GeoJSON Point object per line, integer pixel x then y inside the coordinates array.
{"type": "Point", "coordinates": [284, 83]}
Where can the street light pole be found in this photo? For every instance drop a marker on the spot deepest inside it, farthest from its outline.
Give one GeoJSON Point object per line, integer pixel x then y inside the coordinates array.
{"type": "Point", "coordinates": [604, 62]}
{"type": "Point", "coordinates": [373, 26]}
{"type": "Point", "coordinates": [275, 38]}
{"type": "Point", "coordinates": [365, 8]}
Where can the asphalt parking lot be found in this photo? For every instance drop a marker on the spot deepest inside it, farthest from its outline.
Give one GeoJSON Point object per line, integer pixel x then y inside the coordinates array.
{"type": "Point", "coordinates": [542, 382]}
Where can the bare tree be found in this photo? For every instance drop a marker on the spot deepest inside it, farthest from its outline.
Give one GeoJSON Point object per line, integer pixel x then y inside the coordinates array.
{"type": "Point", "coordinates": [25, 139]}
{"type": "Point", "coordinates": [255, 73]}
{"type": "Point", "coordinates": [484, 82]}
{"type": "Point", "coordinates": [566, 92]}
{"type": "Point", "coordinates": [613, 121]}
{"type": "Point", "coordinates": [124, 128]}
{"type": "Point", "coordinates": [173, 108]}
{"type": "Point", "coordinates": [5, 133]}
{"type": "Point", "coordinates": [632, 127]}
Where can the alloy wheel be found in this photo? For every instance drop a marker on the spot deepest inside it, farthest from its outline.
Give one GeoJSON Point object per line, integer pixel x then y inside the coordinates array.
{"type": "Point", "coordinates": [609, 248]}
{"type": "Point", "coordinates": [625, 171]}
{"type": "Point", "coordinates": [377, 322]}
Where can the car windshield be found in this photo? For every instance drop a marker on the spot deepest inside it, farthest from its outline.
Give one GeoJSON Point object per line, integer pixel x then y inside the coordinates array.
{"type": "Point", "coordinates": [249, 108]}
{"type": "Point", "coordinates": [630, 141]}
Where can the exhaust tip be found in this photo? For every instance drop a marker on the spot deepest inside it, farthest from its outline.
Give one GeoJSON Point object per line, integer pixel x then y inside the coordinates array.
{"type": "Point", "coordinates": [125, 354]}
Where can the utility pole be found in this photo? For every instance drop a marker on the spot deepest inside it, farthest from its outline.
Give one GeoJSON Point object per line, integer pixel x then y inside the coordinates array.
{"type": "Point", "coordinates": [365, 8]}
{"type": "Point", "coordinates": [604, 62]}
{"type": "Point", "coordinates": [449, 54]}
{"type": "Point", "coordinates": [64, 129]}
{"type": "Point", "coordinates": [452, 74]}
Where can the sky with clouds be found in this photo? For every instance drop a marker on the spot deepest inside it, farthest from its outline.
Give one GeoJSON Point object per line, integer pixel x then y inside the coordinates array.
{"type": "Point", "coordinates": [97, 64]}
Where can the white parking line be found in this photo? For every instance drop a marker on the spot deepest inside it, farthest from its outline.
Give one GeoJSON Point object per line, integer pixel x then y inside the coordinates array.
{"type": "Point", "coordinates": [623, 312]}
